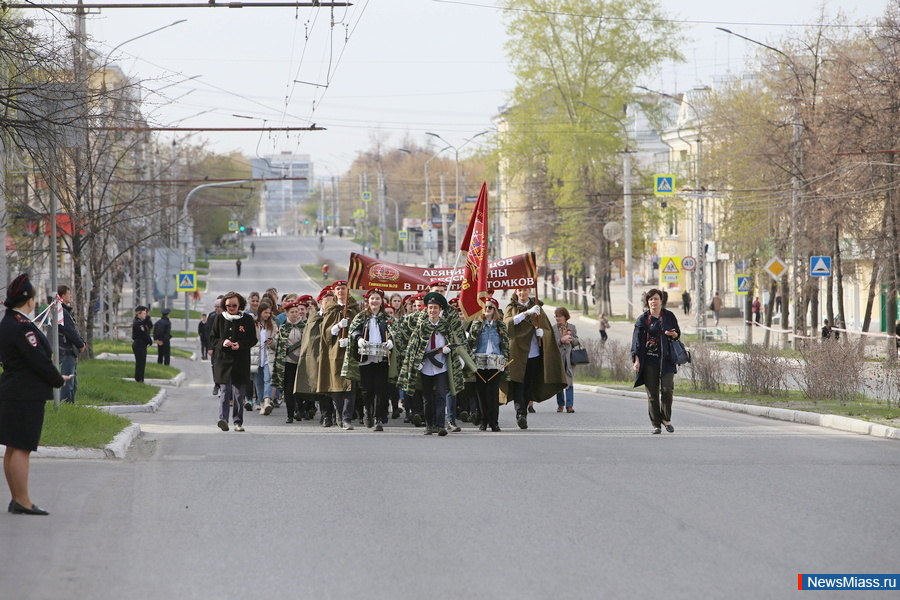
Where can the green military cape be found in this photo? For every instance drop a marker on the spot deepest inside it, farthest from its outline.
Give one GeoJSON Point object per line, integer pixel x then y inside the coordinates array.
{"type": "Point", "coordinates": [553, 374]}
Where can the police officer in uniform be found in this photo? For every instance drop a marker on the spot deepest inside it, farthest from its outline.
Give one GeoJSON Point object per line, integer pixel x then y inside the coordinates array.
{"type": "Point", "coordinates": [140, 333]}
{"type": "Point", "coordinates": [162, 334]}
{"type": "Point", "coordinates": [26, 384]}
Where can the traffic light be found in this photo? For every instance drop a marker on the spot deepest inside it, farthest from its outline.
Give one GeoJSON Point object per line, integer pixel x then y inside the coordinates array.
{"type": "Point", "coordinates": [242, 228]}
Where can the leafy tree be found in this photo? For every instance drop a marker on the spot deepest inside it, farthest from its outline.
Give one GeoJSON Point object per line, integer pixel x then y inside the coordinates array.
{"type": "Point", "coordinates": [576, 63]}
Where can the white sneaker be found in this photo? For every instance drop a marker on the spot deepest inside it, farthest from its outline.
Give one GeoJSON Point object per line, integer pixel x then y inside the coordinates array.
{"type": "Point", "coordinates": [238, 427]}
{"type": "Point", "coordinates": [267, 406]}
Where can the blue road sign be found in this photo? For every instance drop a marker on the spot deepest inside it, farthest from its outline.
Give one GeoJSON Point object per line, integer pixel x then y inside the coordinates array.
{"type": "Point", "coordinates": [743, 284]}
{"type": "Point", "coordinates": [820, 266]}
{"type": "Point", "coordinates": [186, 281]}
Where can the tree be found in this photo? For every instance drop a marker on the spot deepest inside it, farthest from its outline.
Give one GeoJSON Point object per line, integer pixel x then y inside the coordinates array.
{"type": "Point", "coordinates": [576, 63]}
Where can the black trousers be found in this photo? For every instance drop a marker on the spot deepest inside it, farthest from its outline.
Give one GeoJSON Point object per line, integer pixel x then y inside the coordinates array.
{"type": "Point", "coordinates": [291, 400]}
{"type": "Point", "coordinates": [522, 389]}
{"type": "Point", "coordinates": [164, 353]}
{"type": "Point", "coordinates": [434, 398]}
{"type": "Point", "coordinates": [373, 379]}
{"type": "Point", "coordinates": [488, 390]}
{"type": "Point", "coordinates": [659, 394]}
{"type": "Point", "coordinates": [140, 359]}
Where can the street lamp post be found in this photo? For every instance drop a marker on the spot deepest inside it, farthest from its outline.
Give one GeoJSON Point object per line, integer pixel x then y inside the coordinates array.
{"type": "Point", "coordinates": [797, 125]}
{"type": "Point", "coordinates": [184, 220]}
{"type": "Point", "coordinates": [427, 188]}
{"type": "Point", "coordinates": [456, 150]}
{"type": "Point", "coordinates": [626, 192]}
{"type": "Point", "coordinates": [396, 224]}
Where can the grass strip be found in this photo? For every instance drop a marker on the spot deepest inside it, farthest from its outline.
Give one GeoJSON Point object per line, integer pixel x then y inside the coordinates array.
{"type": "Point", "coordinates": [120, 369]}
{"type": "Point", "coordinates": [864, 408]}
{"type": "Point", "coordinates": [123, 347]}
{"type": "Point", "coordinates": [80, 426]}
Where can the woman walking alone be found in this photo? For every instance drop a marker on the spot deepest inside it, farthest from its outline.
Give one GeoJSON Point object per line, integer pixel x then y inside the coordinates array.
{"type": "Point", "coordinates": [652, 360]}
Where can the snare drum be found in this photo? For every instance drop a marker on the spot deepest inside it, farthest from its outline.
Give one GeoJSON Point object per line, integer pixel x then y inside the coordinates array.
{"type": "Point", "coordinates": [371, 349]}
{"type": "Point", "coordinates": [490, 362]}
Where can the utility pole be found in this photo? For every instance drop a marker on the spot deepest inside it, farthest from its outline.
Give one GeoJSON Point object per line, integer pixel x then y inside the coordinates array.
{"type": "Point", "coordinates": [629, 259]}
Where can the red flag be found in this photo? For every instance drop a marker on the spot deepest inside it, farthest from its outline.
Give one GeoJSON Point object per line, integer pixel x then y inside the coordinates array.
{"type": "Point", "coordinates": [475, 242]}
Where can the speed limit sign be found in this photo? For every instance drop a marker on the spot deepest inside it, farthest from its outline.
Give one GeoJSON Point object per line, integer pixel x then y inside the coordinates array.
{"type": "Point", "coordinates": [688, 263]}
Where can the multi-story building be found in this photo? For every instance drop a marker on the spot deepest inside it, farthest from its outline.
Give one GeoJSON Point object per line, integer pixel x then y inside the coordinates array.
{"type": "Point", "coordinates": [282, 195]}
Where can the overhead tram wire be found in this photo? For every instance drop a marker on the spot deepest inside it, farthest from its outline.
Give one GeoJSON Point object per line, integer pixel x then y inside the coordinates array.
{"type": "Point", "coordinates": [210, 4]}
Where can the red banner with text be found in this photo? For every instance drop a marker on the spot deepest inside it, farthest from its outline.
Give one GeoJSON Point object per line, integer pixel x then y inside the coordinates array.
{"type": "Point", "coordinates": [504, 274]}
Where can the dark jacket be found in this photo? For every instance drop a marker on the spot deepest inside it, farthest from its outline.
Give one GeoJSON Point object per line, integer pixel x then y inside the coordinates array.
{"type": "Point", "coordinates": [162, 330]}
{"type": "Point", "coordinates": [140, 330]}
{"type": "Point", "coordinates": [70, 341]}
{"type": "Point", "coordinates": [28, 371]}
{"type": "Point", "coordinates": [639, 349]}
{"type": "Point", "coordinates": [232, 365]}
{"type": "Point", "coordinates": [203, 330]}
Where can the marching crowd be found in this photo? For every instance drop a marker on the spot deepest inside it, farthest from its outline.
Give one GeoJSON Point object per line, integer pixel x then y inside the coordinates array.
{"type": "Point", "coordinates": [346, 362]}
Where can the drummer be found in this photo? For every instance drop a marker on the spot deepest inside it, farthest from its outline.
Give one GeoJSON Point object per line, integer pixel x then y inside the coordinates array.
{"type": "Point", "coordinates": [489, 341]}
{"type": "Point", "coordinates": [366, 360]}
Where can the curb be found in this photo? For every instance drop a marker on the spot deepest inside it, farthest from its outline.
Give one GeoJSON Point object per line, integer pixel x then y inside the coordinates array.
{"type": "Point", "coordinates": [781, 414]}
{"type": "Point", "coordinates": [115, 449]}
{"type": "Point", "coordinates": [152, 406]}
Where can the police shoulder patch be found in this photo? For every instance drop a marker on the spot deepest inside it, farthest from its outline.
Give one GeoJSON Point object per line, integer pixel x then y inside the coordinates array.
{"type": "Point", "coordinates": [32, 339]}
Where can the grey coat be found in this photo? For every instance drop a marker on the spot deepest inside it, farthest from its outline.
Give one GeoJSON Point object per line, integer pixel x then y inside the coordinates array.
{"type": "Point", "coordinates": [566, 349]}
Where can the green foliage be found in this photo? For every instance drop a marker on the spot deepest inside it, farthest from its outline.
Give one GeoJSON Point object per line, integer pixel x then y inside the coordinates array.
{"type": "Point", "coordinates": [80, 426]}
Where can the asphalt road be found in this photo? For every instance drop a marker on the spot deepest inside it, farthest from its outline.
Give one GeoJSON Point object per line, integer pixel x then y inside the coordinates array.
{"type": "Point", "coordinates": [583, 505]}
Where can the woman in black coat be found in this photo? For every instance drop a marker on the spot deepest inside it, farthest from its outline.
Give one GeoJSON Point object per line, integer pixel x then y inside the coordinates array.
{"type": "Point", "coordinates": [26, 384]}
{"type": "Point", "coordinates": [653, 332]}
{"type": "Point", "coordinates": [231, 336]}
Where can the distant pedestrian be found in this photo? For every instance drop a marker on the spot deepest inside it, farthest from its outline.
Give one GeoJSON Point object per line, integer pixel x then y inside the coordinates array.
{"type": "Point", "coordinates": [686, 302]}
{"type": "Point", "coordinates": [756, 308]}
{"type": "Point", "coordinates": [140, 334]}
{"type": "Point", "coordinates": [716, 306]}
{"type": "Point", "coordinates": [71, 345]}
{"type": "Point", "coordinates": [203, 333]}
{"type": "Point", "coordinates": [162, 335]}
{"type": "Point", "coordinates": [826, 330]}
{"type": "Point", "coordinates": [325, 269]}
{"type": "Point", "coordinates": [602, 327]}
{"type": "Point", "coordinates": [252, 249]}
{"type": "Point", "coordinates": [237, 265]}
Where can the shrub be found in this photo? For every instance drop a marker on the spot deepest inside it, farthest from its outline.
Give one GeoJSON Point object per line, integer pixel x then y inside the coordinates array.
{"type": "Point", "coordinates": [832, 370]}
{"type": "Point", "coordinates": [760, 370]}
{"type": "Point", "coordinates": [609, 360]}
{"type": "Point", "coordinates": [705, 368]}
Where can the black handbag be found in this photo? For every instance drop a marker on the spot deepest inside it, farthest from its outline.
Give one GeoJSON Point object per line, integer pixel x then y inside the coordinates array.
{"type": "Point", "coordinates": [679, 353]}
{"type": "Point", "coordinates": [579, 356]}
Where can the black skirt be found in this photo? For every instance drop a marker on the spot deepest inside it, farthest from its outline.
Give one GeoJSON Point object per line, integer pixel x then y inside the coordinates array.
{"type": "Point", "coordinates": [21, 422]}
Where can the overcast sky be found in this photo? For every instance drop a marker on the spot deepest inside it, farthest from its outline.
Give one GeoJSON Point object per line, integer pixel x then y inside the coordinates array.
{"type": "Point", "coordinates": [398, 67]}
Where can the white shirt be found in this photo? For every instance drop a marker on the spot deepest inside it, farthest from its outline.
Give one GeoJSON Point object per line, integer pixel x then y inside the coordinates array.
{"type": "Point", "coordinates": [374, 338]}
{"type": "Point", "coordinates": [535, 349]}
{"type": "Point", "coordinates": [429, 368]}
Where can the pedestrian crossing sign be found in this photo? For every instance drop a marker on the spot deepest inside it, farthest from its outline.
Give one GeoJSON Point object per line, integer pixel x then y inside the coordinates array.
{"type": "Point", "coordinates": [820, 266]}
{"type": "Point", "coordinates": [186, 281]}
{"type": "Point", "coordinates": [743, 285]}
{"type": "Point", "coordinates": [670, 267]}
{"type": "Point", "coordinates": [233, 226]}
{"type": "Point", "coordinates": [664, 185]}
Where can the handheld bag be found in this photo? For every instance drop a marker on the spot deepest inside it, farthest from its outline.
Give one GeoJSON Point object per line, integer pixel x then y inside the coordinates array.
{"type": "Point", "coordinates": [678, 352]}
{"type": "Point", "coordinates": [579, 356]}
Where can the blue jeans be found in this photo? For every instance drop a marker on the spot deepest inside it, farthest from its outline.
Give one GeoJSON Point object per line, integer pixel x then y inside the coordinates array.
{"type": "Point", "coordinates": [566, 397]}
{"type": "Point", "coordinates": [67, 366]}
{"type": "Point", "coordinates": [263, 381]}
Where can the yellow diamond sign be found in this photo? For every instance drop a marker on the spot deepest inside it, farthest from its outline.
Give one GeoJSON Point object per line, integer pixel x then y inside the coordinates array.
{"type": "Point", "coordinates": [775, 267]}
